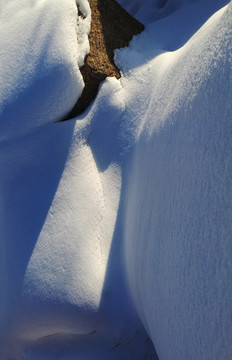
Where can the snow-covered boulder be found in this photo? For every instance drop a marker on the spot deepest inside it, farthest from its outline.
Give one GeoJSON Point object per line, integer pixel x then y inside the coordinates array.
{"type": "Point", "coordinates": [39, 61]}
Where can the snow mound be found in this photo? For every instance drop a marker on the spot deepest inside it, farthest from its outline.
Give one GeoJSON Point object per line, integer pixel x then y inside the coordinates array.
{"type": "Point", "coordinates": [178, 213]}
{"type": "Point", "coordinates": [39, 61]}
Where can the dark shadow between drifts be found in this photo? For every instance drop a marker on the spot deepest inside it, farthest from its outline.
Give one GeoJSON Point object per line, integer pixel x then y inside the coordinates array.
{"type": "Point", "coordinates": [111, 28]}
{"type": "Point", "coordinates": [119, 321]}
{"type": "Point", "coordinates": [31, 176]}
{"type": "Point", "coordinates": [28, 187]}
{"type": "Point", "coordinates": [122, 325]}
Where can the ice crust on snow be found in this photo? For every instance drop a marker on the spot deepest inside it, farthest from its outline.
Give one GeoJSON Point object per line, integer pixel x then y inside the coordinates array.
{"type": "Point", "coordinates": [119, 219]}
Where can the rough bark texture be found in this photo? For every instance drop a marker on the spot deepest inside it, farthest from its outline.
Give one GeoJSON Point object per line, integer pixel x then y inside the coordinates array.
{"type": "Point", "coordinates": [111, 28]}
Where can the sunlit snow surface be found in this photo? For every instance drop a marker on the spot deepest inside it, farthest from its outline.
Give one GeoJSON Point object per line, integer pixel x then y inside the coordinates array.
{"type": "Point", "coordinates": [128, 205]}
{"type": "Point", "coordinates": [39, 58]}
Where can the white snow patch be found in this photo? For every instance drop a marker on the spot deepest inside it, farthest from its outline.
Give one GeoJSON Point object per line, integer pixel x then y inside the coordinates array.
{"type": "Point", "coordinates": [39, 61]}
{"type": "Point", "coordinates": [178, 217]}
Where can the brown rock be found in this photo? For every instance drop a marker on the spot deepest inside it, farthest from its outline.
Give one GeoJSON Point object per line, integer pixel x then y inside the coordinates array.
{"type": "Point", "coordinates": [111, 28]}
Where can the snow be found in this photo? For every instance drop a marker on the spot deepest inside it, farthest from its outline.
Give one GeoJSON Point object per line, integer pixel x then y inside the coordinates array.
{"type": "Point", "coordinates": [147, 11]}
{"type": "Point", "coordinates": [178, 208]}
{"type": "Point", "coordinates": [116, 225]}
{"type": "Point", "coordinates": [38, 47]}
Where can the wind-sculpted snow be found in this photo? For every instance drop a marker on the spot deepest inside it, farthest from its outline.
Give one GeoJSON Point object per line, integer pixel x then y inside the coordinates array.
{"type": "Point", "coordinates": [178, 209]}
{"type": "Point", "coordinates": [39, 58]}
{"type": "Point", "coordinates": [126, 207]}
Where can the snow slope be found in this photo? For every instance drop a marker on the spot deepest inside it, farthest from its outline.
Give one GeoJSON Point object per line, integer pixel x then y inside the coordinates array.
{"type": "Point", "coordinates": [58, 212]}
{"type": "Point", "coordinates": [178, 208]}
{"type": "Point", "coordinates": [126, 207]}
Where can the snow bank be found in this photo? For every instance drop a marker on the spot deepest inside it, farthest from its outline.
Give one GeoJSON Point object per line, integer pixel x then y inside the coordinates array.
{"type": "Point", "coordinates": [39, 59]}
{"type": "Point", "coordinates": [60, 294]}
{"type": "Point", "coordinates": [178, 213]}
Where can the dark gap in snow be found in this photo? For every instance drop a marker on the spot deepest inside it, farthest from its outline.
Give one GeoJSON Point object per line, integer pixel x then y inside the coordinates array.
{"type": "Point", "coordinates": [79, 12]}
{"type": "Point", "coordinates": [112, 27]}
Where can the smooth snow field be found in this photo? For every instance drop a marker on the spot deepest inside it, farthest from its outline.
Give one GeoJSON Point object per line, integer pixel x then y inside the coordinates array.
{"type": "Point", "coordinates": [116, 226]}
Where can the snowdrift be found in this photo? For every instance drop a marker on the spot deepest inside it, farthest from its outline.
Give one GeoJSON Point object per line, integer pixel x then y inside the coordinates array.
{"type": "Point", "coordinates": [116, 225]}
{"type": "Point", "coordinates": [178, 208]}
{"type": "Point", "coordinates": [40, 59]}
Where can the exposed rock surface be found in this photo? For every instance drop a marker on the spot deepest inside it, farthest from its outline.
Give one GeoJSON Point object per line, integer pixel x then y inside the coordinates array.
{"type": "Point", "coordinates": [111, 28]}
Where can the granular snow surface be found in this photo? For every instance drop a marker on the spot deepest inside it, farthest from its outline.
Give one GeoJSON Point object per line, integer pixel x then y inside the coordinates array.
{"type": "Point", "coordinates": [116, 225]}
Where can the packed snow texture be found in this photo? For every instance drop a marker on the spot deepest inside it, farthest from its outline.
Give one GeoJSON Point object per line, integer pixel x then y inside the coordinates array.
{"type": "Point", "coordinates": [120, 219]}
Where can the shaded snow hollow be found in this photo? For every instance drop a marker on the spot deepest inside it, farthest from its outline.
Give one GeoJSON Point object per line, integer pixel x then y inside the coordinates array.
{"type": "Point", "coordinates": [120, 219]}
